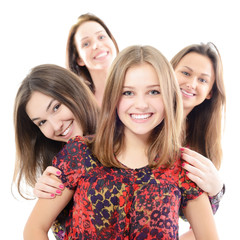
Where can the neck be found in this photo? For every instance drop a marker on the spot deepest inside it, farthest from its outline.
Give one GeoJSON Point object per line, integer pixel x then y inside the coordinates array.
{"type": "Point", "coordinates": [99, 79]}
{"type": "Point", "coordinates": [186, 111]}
{"type": "Point", "coordinates": [134, 154]}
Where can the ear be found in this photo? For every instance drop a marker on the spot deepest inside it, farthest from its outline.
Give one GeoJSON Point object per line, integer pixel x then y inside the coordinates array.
{"type": "Point", "coordinates": [209, 96]}
{"type": "Point", "coordinates": [80, 62]}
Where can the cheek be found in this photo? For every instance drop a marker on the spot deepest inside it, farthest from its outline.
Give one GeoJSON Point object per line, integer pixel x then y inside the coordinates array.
{"type": "Point", "coordinates": [83, 54]}
{"type": "Point", "coordinates": [120, 110]}
{"type": "Point", "coordinates": [46, 131]}
{"type": "Point", "coordinates": [206, 92]}
{"type": "Point", "coordinates": [122, 107]}
{"type": "Point", "coordinates": [161, 111]}
{"type": "Point", "coordinates": [181, 80]}
{"type": "Point", "coordinates": [114, 50]}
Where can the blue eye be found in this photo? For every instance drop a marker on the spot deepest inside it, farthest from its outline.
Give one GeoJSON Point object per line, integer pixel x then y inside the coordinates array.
{"type": "Point", "coordinates": [128, 93]}
{"type": "Point", "coordinates": [185, 73]}
{"type": "Point", "coordinates": [154, 92]}
{"type": "Point", "coordinates": [101, 37]}
{"type": "Point", "coordinates": [202, 80]}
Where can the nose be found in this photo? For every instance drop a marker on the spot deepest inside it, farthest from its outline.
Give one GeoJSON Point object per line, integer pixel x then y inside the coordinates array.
{"type": "Point", "coordinates": [141, 102]}
{"type": "Point", "coordinates": [96, 44]}
{"type": "Point", "coordinates": [56, 125]}
{"type": "Point", "coordinates": [192, 83]}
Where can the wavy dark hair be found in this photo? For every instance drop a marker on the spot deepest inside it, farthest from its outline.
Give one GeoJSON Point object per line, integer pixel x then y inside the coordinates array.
{"type": "Point", "coordinates": [34, 152]}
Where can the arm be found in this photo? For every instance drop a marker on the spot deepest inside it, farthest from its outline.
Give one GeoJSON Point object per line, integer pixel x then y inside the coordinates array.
{"type": "Point", "coordinates": [202, 171]}
{"type": "Point", "coordinates": [43, 215]}
{"type": "Point", "coordinates": [48, 187]}
{"type": "Point", "coordinates": [200, 216]}
{"type": "Point", "coordinates": [188, 236]}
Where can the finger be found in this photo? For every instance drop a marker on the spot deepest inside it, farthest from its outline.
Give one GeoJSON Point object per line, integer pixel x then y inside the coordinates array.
{"type": "Point", "coordinates": [193, 161]}
{"type": "Point", "coordinates": [196, 180]}
{"type": "Point", "coordinates": [195, 155]}
{"type": "Point", "coordinates": [48, 188]}
{"type": "Point", "coordinates": [40, 194]}
{"type": "Point", "coordinates": [49, 181]}
{"type": "Point", "coordinates": [193, 170]}
{"type": "Point", "coordinates": [52, 170]}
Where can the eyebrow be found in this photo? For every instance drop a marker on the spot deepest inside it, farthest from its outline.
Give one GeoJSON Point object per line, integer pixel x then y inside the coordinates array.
{"type": "Point", "coordinates": [150, 86]}
{"type": "Point", "coordinates": [94, 33]}
{"type": "Point", "coordinates": [204, 74]}
{"type": "Point", "coordinates": [49, 105]}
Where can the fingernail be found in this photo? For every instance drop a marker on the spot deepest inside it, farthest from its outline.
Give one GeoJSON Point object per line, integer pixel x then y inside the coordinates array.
{"type": "Point", "coordinates": [183, 164]}
{"type": "Point", "coordinates": [58, 172]}
{"type": "Point", "coordinates": [58, 191]}
{"type": "Point", "coordinates": [181, 149]}
{"type": "Point", "coordinates": [52, 195]}
{"type": "Point", "coordinates": [61, 186]}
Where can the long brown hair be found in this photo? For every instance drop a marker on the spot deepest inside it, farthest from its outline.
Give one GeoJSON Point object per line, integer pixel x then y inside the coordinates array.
{"type": "Point", "coordinates": [34, 151]}
{"type": "Point", "coordinates": [204, 122]}
{"type": "Point", "coordinates": [164, 141]}
{"type": "Point", "coordinates": [72, 53]}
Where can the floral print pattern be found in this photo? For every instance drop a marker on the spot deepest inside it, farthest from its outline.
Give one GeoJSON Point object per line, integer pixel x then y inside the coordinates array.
{"type": "Point", "coordinates": [113, 203]}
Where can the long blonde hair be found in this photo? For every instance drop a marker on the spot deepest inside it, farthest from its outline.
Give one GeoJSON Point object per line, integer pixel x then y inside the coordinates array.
{"type": "Point", "coordinates": [204, 122]}
{"type": "Point", "coordinates": [34, 152]}
{"type": "Point", "coordinates": [165, 139]}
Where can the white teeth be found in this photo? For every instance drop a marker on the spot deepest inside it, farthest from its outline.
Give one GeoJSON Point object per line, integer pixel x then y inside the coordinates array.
{"type": "Point", "coordinates": [101, 55]}
{"type": "Point", "coordinates": [187, 93]}
{"type": "Point", "coordinates": [67, 130]}
{"type": "Point", "coordinates": [142, 116]}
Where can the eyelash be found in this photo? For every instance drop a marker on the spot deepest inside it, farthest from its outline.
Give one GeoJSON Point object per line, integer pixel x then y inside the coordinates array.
{"type": "Point", "coordinates": [102, 37]}
{"type": "Point", "coordinates": [156, 92]}
{"type": "Point", "coordinates": [151, 92]}
{"type": "Point", "coordinates": [185, 73]}
{"type": "Point", "coordinates": [127, 93]}
{"type": "Point", "coordinates": [201, 79]}
{"type": "Point", "coordinates": [41, 123]}
{"type": "Point", "coordinates": [86, 44]}
{"type": "Point", "coordinates": [55, 108]}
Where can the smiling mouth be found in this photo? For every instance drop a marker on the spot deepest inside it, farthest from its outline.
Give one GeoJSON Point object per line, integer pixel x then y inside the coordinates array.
{"type": "Point", "coordinates": [187, 93]}
{"type": "Point", "coordinates": [103, 54]}
{"type": "Point", "coordinates": [66, 130]}
{"type": "Point", "coordinates": [141, 116]}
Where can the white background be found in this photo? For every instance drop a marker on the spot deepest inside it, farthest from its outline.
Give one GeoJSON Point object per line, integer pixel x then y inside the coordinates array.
{"type": "Point", "coordinates": [35, 32]}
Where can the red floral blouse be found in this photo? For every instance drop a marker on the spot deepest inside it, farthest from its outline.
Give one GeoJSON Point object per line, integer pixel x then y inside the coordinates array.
{"type": "Point", "coordinates": [113, 203]}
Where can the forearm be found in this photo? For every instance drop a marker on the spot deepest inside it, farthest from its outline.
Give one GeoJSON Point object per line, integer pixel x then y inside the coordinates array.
{"type": "Point", "coordinates": [43, 215]}
{"type": "Point", "coordinates": [32, 232]}
{"type": "Point", "coordinates": [38, 223]}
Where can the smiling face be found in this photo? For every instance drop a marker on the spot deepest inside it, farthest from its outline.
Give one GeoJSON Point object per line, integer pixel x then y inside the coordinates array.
{"type": "Point", "coordinates": [141, 107]}
{"type": "Point", "coordinates": [95, 48]}
{"type": "Point", "coordinates": [195, 75]}
{"type": "Point", "coordinates": [54, 119]}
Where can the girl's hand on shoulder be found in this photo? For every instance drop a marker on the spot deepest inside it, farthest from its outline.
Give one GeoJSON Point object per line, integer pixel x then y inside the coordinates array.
{"type": "Point", "coordinates": [48, 185]}
{"type": "Point", "coordinates": [202, 171]}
